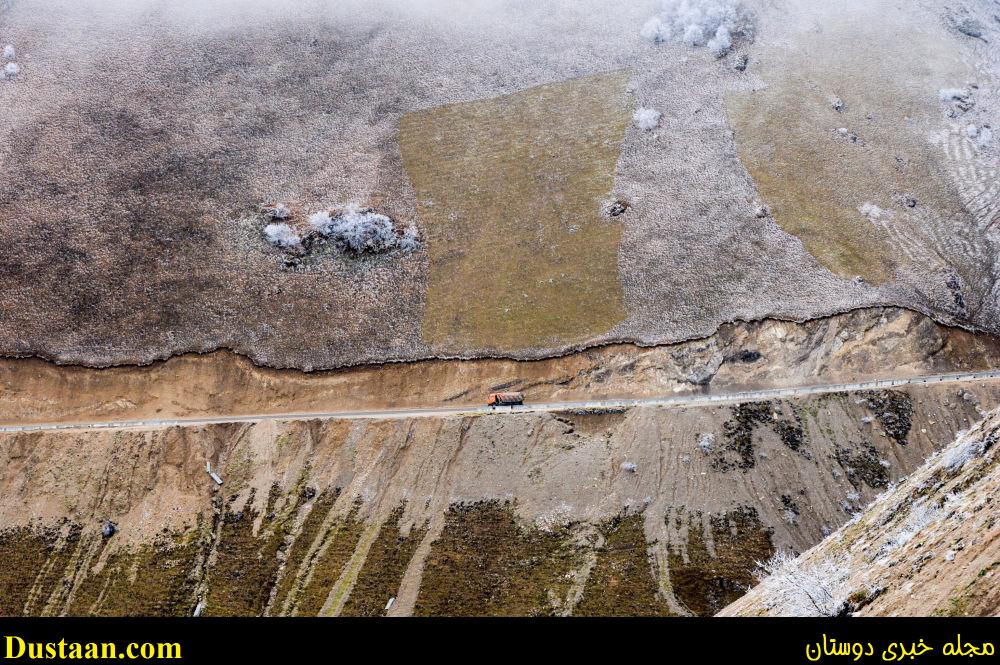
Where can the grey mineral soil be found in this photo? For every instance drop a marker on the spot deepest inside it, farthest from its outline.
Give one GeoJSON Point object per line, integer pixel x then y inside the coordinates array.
{"type": "Point", "coordinates": [139, 136]}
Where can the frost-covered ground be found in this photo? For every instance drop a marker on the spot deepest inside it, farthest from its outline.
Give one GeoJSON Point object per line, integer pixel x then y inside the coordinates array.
{"type": "Point", "coordinates": [139, 140]}
{"type": "Point", "coordinates": [928, 546]}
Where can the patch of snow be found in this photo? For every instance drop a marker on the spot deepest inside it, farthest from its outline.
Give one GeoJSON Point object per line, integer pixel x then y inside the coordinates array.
{"type": "Point", "coordinates": [11, 69]}
{"type": "Point", "coordinates": [646, 118]}
{"type": "Point", "coordinates": [8, 52]}
{"type": "Point", "coordinates": [949, 555]}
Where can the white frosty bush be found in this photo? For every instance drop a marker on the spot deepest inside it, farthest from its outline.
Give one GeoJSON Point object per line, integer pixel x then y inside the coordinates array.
{"type": "Point", "coordinates": [282, 235]}
{"type": "Point", "coordinates": [364, 231]}
{"type": "Point", "coordinates": [706, 442]}
{"type": "Point", "coordinates": [630, 467]}
{"type": "Point", "coordinates": [11, 70]}
{"type": "Point", "coordinates": [410, 241]}
{"type": "Point", "coordinates": [711, 23]}
{"type": "Point", "coordinates": [321, 222]}
{"type": "Point", "coordinates": [646, 118]}
{"type": "Point", "coordinates": [964, 451]}
{"type": "Point", "coordinates": [922, 513]}
{"type": "Point", "coordinates": [8, 52]}
{"type": "Point", "coordinates": [873, 212]}
{"type": "Point", "coordinates": [804, 589]}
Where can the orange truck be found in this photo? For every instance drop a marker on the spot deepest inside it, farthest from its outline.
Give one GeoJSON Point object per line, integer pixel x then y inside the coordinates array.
{"type": "Point", "coordinates": [505, 399]}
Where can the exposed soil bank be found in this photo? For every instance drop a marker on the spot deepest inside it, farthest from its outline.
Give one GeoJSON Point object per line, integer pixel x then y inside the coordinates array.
{"type": "Point", "coordinates": [494, 514]}
{"type": "Point", "coordinates": [856, 346]}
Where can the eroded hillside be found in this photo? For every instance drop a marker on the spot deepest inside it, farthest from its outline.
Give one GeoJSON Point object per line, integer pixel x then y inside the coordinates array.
{"type": "Point", "coordinates": [645, 511]}
{"type": "Point", "coordinates": [930, 546]}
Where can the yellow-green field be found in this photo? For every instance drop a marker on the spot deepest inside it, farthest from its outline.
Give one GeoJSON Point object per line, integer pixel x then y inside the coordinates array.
{"type": "Point", "coordinates": [814, 178]}
{"type": "Point", "coordinates": [509, 194]}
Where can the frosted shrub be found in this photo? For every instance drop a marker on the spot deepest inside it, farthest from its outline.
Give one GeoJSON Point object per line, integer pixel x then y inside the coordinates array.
{"type": "Point", "coordinates": [355, 230]}
{"type": "Point", "coordinates": [282, 235]}
{"type": "Point", "coordinates": [801, 589]}
{"type": "Point", "coordinates": [363, 231]}
{"type": "Point", "coordinates": [321, 222]}
{"type": "Point", "coordinates": [646, 118]}
{"type": "Point", "coordinates": [410, 241]}
{"type": "Point", "coordinates": [706, 442]}
{"type": "Point", "coordinates": [709, 23]}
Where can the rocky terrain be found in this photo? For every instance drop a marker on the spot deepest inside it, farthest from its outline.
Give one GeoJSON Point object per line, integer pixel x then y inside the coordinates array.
{"type": "Point", "coordinates": [929, 546]}
{"type": "Point", "coordinates": [147, 145]}
{"type": "Point", "coordinates": [641, 511]}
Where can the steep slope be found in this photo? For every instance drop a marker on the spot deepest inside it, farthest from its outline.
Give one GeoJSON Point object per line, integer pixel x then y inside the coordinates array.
{"type": "Point", "coordinates": [645, 511]}
{"type": "Point", "coordinates": [931, 545]}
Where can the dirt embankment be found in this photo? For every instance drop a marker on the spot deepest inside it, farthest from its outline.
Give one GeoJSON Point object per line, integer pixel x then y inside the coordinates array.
{"type": "Point", "coordinates": [646, 511]}
{"type": "Point", "coordinates": [931, 546]}
{"type": "Point", "coordinates": [856, 346]}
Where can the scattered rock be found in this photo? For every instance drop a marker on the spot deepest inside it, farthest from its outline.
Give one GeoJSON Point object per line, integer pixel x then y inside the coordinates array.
{"type": "Point", "coordinates": [616, 208]}
{"type": "Point", "coordinates": [970, 27]}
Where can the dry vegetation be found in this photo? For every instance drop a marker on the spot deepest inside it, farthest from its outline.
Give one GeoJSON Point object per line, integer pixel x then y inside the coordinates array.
{"type": "Point", "coordinates": [509, 191]}
{"type": "Point", "coordinates": [130, 198]}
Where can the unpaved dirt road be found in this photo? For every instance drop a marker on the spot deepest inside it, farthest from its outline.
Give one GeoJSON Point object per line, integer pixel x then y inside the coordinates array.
{"type": "Point", "coordinates": [388, 414]}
